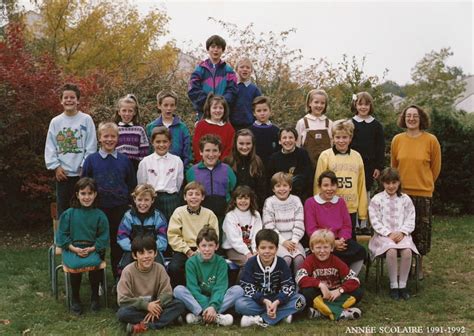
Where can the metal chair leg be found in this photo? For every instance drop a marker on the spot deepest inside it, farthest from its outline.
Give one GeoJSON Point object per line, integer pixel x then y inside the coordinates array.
{"type": "Point", "coordinates": [417, 272]}
{"type": "Point", "coordinates": [377, 274]}
{"type": "Point", "coordinates": [67, 285]}
{"type": "Point", "coordinates": [106, 294]}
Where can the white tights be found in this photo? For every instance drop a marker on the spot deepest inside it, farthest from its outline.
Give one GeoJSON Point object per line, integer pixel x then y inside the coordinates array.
{"type": "Point", "coordinates": [399, 281]}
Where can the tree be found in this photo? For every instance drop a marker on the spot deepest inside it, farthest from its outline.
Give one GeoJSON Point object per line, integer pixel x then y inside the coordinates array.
{"type": "Point", "coordinates": [436, 85]}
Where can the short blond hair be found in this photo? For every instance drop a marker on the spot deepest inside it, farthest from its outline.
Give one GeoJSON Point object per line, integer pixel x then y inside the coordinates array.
{"type": "Point", "coordinates": [143, 189]}
{"type": "Point", "coordinates": [244, 60]}
{"type": "Point", "coordinates": [281, 177]}
{"type": "Point", "coordinates": [343, 125]}
{"type": "Point", "coordinates": [322, 236]}
{"type": "Point", "coordinates": [105, 126]}
{"type": "Point", "coordinates": [194, 185]}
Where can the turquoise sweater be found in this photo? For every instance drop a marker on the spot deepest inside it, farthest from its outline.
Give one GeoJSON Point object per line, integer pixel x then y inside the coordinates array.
{"type": "Point", "coordinates": [207, 280]}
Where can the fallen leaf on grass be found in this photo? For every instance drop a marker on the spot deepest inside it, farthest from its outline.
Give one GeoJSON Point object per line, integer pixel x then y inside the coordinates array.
{"type": "Point", "coordinates": [40, 294]}
{"type": "Point", "coordinates": [26, 332]}
{"type": "Point", "coordinates": [453, 282]}
{"type": "Point", "coordinates": [5, 322]}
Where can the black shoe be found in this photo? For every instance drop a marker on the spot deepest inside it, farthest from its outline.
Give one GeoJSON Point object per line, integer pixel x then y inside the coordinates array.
{"type": "Point", "coordinates": [366, 231]}
{"type": "Point", "coordinates": [76, 308]}
{"type": "Point", "coordinates": [403, 292]}
{"type": "Point", "coordinates": [394, 294]}
{"type": "Point", "coordinates": [95, 306]}
{"type": "Point", "coordinates": [358, 231]}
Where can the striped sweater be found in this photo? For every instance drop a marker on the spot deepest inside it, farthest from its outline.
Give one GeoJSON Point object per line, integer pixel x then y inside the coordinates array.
{"type": "Point", "coordinates": [133, 142]}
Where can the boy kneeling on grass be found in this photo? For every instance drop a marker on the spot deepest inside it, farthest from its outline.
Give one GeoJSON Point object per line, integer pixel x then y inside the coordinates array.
{"type": "Point", "coordinates": [269, 288]}
{"type": "Point", "coordinates": [144, 292]}
{"type": "Point", "coordinates": [206, 295]}
{"type": "Point", "coordinates": [326, 282]}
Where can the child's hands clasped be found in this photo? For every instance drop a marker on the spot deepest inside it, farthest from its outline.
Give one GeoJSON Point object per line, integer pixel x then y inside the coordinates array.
{"type": "Point", "coordinates": [396, 236]}
{"type": "Point", "coordinates": [324, 290]}
{"type": "Point", "coordinates": [209, 315]}
{"type": "Point", "coordinates": [289, 245]}
{"type": "Point", "coordinates": [271, 307]}
{"type": "Point", "coordinates": [334, 294]}
{"type": "Point", "coordinates": [340, 244]}
{"type": "Point", "coordinates": [154, 311]}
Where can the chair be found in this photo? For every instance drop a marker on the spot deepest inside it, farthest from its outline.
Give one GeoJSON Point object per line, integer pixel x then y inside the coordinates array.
{"type": "Point", "coordinates": [67, 280]}
{"type": "Point", "coordinates": [379, 261]}
{"type": "Point", "coordinates": [54, 251]}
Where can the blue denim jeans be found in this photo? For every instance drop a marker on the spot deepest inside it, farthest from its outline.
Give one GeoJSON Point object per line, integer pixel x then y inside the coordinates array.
{"type": "Point", "coordinates": [248, 306]}
{"type": "Point", "coordinates": [133, 315]}
{"type": "Point", "coordinates": [231, 295]}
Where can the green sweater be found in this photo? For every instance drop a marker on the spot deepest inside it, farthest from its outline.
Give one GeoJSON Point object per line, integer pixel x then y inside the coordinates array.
{"type": "Point", "coordinates": [207, 280]}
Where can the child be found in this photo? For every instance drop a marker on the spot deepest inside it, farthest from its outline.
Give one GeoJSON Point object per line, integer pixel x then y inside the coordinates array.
{"type": "Point", "coordinates": [241, 224]}
{"type": "Point", "coordinates": [246, 164]}
{"type": "Point", "coordinates": [328, 211]}
{"type": "Point", "coordinates": [83, 235]}
{"type": "Point", "coordinates": [164, 171]}
{"type": "Point", "coordinates": [269, 288]}
{"type": "Point", "coordinates": [218, 178]}
{"type": "Point", "coordinates": [206, 295]}
{"type": "Point", "coordinates": [180, 136]}
{"type": "Point", "coordinates": [215, 121]}
{"type": "Point", "coordinates": [392, 215]}
{"type": "Point", "coordinates": [132, 139]}
{"type": "Point", "coordinates": [314, 129]}
{"type": "Point", "coordinates": [369, 141]}
{"type": "Point", "coordinates": [115, 179]}
{"type": "Point", "coordinates": [241, 115]}
{"type": "Point", "coordinates": [142, 220]}
{"type": "Point", "coordinates": [327, 284]}
{"type": "Point", "coordinates": [266, 133]}
{"type": "Point", "coordinates": [184, 225]}
{"type": "Point", "coordinates": [144, 293]}
{"type": "Point", "coordinates": [348, 166]}
{"type": "Point", "coordinates": [283, 213]}
{"type": "Point", "coordinates": [71, 138]}
{"type": "Point", "coordinates": [212, 75]}
{"type": "Point", "coordinates": [292, 160]}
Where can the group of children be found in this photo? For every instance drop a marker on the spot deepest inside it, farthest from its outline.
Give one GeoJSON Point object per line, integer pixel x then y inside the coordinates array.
{"type": "Point", "coordinates": [134, 200]}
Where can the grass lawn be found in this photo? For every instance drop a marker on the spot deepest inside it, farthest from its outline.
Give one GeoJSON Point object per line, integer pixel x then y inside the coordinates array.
{"type": "Point", "coordinates": [444, 299]}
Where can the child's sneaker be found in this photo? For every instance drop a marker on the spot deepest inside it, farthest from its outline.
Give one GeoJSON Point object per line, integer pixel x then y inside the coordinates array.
{"type": "Point", "coordinates": [95, 306]}
{"type": "Point", "coordinates": [76, 308]}
{"type": "Point", "coordinates": [313, 313]}
{"type": "Point", "coordinates": [403, 292]}
{"type": "Point", "coordinates": [224, 319]}
{"type": "Point", "coordinates": [351, 314]}
{"type": "Point", "coordinates": [288, 319]}
{"type": "Point", "coordinates": [394, 294]}
{"type": "Point", "coordinates": [248, 321]}
{"type": "Point", "coordinates": [133, 329]}
{"type": "Point", "coordinates": [193, 319]}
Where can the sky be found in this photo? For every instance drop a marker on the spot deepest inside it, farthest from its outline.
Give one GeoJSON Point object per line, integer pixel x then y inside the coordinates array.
{"type": "Point", "coordinates": [393, 35]}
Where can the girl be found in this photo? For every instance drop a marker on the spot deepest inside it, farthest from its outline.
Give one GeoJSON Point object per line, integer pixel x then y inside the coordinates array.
{"type": "Point", "coordinates": [132, 140]}
{"type": "Point", "coordinates": [247, 165]}
{"type": "Point", "coordinates": [164, 171]}
{"type": "Point", "coordinates": [142, 220]}
{"type": "Point", "coordinates": [83, 235]}
{"type": "Point", "coordinates": [392, 215]}
{"type": "Point", "coordinates": [368, 140]}
{"type": "Point", "coordinates": [241, 224]}
{"type": "Point", "coordinates": [326, 210]}
{"type": "Point", "coordinates": [417, 155]}
{"type": "Point", "coordinates": [314, 129]}
{"type": "Point", "coordinates": [215, 121]}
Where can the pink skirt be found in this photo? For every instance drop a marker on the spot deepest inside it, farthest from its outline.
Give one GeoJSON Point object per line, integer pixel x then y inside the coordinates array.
{"type": "Point", "coordinates": [378, 245]}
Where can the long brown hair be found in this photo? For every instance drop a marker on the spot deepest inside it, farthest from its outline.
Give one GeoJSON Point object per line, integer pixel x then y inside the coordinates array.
{"type": "Point", "coordinates": [235, 159]}
{"type": "Point", "coordinates": [243, 191]}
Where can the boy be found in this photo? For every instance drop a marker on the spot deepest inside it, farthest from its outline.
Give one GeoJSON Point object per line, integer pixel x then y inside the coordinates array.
{"type": "Point", "coordinates": [180, 136]}
{"type": "Point", "coordinates": [71, 138]}
{"type": "Point", "coordinates": [283, 213]}
{"type": "Point", "coordinates": [349, 169]}
{"type": "Point", "coordinates": [184, 225]}
{"type": "Point", "coordinates": [269, 288]}
{"type": "Point", "coordinates": [241, 115]}
{"type": "Point", "coordinates": [116, 179]}
{"type": "Point", "coordinates": [326, 282]}
{"type": "Point", "coordinates": [144, 293]}
{"type": "Point", "coordinates": [293, 160]}
{"type": "Point", "coordinates": [212, 75]}
{"type": "Point", "coordinates": [218, 178]}
{"type": "Point", "coordinates": [266, 134]}
{"type": "Point", "coordinates": [206, 295]}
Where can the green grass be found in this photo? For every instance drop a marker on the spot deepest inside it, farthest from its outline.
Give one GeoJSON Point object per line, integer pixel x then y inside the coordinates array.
{"type": "Point", "coordinates": [444, 298]}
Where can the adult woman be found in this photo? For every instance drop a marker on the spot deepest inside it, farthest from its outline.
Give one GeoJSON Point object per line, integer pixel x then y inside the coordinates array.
{"type": "Point", "coordinates": [417, 155]}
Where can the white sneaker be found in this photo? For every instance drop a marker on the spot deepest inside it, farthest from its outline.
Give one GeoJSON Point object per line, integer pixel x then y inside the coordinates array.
{"type": "Point", "coordinates": [288, 319]}
{"type": "Point", "coordinates": [248, 321]}
{"type": "Point", "coordinates": [224, 319]}
{"type": "Point", "coordinates": [351, 313]}
{"type": "Point", "coordinates": [193, 319]}
{"type": "Point", "coordinates": [313, 313]}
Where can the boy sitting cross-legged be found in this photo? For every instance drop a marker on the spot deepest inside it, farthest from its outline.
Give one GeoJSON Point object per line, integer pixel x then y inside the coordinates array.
{"type": "Point", "coordinates": [269, 288]}
{"type": "Point", "coordinates": [144, 292]}
{"type": "Point", "coordinates": [206, 295]}
{"type": "Point", "coordinates": [183, 228]}
{"type": "Point", "coordinates": [326, 282]}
